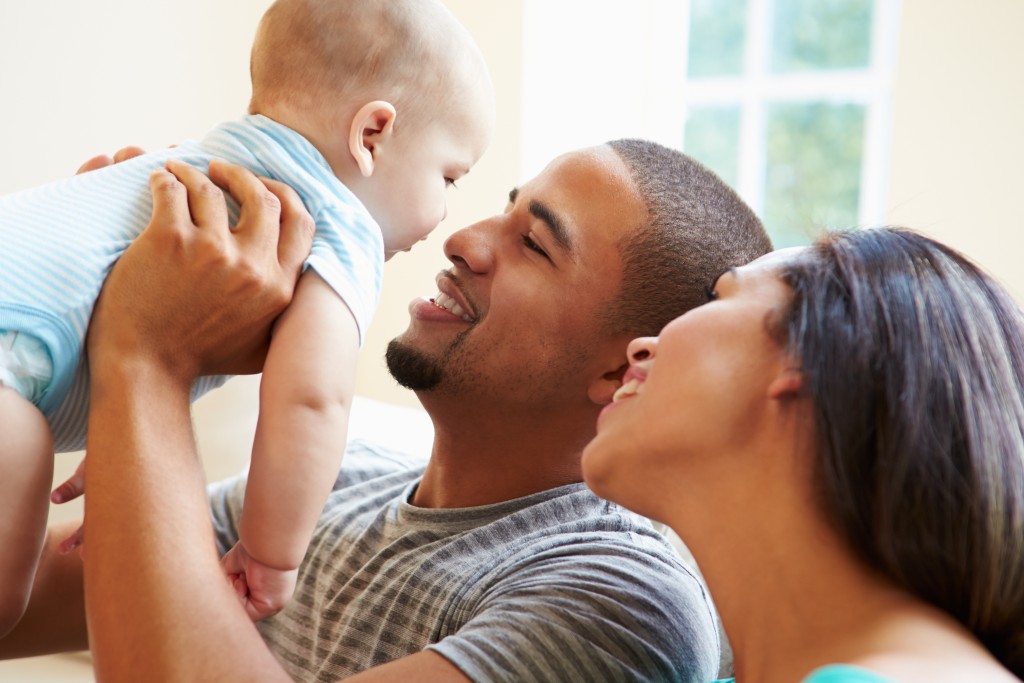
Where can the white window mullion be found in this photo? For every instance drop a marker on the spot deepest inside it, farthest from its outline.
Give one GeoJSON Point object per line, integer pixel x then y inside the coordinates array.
{"type": "Point", "coordinates": [874, 178]}
{"type": "Point", "coordinates": [753, 150]}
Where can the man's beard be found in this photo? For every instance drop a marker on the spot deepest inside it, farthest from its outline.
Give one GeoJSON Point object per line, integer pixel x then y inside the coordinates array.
{"type": "Point", "coordinates": [412, 369]}
{"type": "Point", "coordinates": [415, 370]}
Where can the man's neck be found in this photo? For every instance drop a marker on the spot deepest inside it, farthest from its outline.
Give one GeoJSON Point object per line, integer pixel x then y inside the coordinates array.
{"type": "Point", "coordinates": [481, 457]}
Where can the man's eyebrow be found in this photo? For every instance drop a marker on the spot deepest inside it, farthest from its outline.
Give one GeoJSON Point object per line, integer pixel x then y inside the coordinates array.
{"type": "Point", "coordinates": [555, 225]}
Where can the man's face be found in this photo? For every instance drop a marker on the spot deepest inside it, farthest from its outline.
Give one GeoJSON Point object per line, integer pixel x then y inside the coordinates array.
{"type": "Point", "coordinates": [516, 317]}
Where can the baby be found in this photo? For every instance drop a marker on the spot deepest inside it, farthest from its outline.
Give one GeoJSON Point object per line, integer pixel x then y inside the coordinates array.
{"type": "Point", "coordinates": [369, 109]}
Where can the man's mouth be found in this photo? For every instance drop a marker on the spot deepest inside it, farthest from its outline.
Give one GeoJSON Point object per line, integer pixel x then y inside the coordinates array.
{"type": "Point", "coordinates": [450, 298]}
{"type": "Point", "coordinates": [442, 300]}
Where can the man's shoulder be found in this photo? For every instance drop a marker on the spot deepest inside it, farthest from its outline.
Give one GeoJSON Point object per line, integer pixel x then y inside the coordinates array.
{"type": "Point", "coordinates": [571, 526]}
{"type": "Point", "coordinates": [367, 460]}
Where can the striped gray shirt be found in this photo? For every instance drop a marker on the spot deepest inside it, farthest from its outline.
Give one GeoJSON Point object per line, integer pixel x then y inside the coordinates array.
{"type": "Point", "coordinates": [556, 586]}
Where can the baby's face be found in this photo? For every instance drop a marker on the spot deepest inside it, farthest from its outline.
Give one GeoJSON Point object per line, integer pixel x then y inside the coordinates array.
{"type": "Point", "coordinates": [412, 179]}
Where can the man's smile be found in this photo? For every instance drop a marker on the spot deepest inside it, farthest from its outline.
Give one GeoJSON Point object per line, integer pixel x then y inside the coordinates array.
{"type": "Point", "coordinates": [451, 298]}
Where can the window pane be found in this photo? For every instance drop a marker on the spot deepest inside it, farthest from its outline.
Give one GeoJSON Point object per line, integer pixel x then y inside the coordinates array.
{"type": "Point", "coordinates": [812, 176]}
{"type": "Point", "coordinates": [717, 35]}
{"type": "Point", "coordinates": [713, 137]}
{"type": "Point", "coordinates": [816, 35]}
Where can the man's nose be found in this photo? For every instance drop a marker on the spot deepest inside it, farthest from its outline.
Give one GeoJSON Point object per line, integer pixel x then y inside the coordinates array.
{"type": "Point", "coordinates": [473, 246]}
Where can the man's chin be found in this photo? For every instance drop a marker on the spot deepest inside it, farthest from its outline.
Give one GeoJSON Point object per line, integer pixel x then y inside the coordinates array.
{"type": "Point", "coordinates": [411, 368]}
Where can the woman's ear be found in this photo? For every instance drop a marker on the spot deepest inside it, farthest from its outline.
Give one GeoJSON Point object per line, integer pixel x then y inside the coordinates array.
{"type": "Point", "coordinates": [372, 125]}
{"type": "Point", "coordinates": [788, 384]}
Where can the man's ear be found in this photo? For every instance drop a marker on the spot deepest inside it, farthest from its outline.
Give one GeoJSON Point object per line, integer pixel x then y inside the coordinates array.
{"type": "Point", "coordinates": [372, 125]}
{"type": "Point", "coordinates": [788, 384]}
{"type": "Point", "coordinates": [604, 387]}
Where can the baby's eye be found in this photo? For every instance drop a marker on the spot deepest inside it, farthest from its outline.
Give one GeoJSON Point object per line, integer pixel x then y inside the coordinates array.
{"type": "Point", "coordinates": [710, 293]}
{"type": "Point", "coordinates": [450, 182]}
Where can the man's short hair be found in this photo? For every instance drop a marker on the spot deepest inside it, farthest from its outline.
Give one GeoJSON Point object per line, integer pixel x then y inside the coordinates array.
{"type": "Point", "coordinates": [696, 228]}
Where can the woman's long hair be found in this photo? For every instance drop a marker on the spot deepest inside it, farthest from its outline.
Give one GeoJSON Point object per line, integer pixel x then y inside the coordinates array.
{"type": "Point", "coordinates": [914, 360]}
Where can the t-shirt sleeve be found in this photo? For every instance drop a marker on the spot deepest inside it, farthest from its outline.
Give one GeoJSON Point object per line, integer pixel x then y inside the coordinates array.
{"type": "Point", "coordinates": [597, 612]}
{"type": "Point", "coordinates": [225, 509]}
{"type": "Point", "coordinates": [348, 253]}
{"type": "Point", "coordinates": [364, 460]}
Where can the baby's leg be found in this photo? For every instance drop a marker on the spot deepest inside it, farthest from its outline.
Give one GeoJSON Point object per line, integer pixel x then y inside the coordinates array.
{"type": "Point", "coordinates": [26, 473]}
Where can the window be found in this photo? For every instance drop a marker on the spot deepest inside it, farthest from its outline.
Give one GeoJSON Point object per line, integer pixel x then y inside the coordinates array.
{"type": "Point", "coordinates": [789, 101]}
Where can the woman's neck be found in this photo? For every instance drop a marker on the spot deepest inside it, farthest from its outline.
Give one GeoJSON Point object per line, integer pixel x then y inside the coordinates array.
{"type": "Point", "coordinates": [791, 595]}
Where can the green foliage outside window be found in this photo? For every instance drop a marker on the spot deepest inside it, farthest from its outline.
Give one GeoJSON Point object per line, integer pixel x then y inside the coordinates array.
{"type": "Point", "coordinates": [717, 37]}
{"type": "Point", "coordinates": [813, 147]}
{"type": "Point", "coordinates": [812, 174]}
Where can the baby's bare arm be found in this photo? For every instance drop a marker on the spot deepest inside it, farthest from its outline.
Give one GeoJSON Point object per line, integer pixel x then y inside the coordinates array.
{"type": "Point", "coordinates": [55, 618]}
{"type": "Point", "coordinates": [26, 469]}
{"type": "Point", "coordinates": [305, 396]}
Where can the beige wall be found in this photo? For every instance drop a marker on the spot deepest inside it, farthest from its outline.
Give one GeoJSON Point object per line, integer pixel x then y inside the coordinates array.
{"type": "Point", "coordinates": [958, 130]}
{"type": "Point", "coordinates": [78, 78]}
{"type": "Point", "coordinates": [81, 77]}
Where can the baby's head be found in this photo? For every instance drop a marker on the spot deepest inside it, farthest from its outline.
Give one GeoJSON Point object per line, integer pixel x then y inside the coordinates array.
{"type": "Point", "coordinates": [394, 93]}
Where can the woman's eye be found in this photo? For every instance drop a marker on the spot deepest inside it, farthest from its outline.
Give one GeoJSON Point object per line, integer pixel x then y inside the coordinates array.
{"type": "Point", "coordinates": [533, 246]}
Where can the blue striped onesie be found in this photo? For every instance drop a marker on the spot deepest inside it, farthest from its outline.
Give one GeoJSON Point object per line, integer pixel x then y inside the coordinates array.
{"type": "Point", "coordinates": [60, 240]}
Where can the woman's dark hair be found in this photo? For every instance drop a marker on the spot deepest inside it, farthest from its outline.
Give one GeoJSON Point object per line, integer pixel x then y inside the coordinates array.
{"type": "Point", "coordinates": [914, 360]}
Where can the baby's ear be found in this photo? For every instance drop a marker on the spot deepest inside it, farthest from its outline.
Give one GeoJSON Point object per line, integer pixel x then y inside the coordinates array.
{"type": "Point", "coordinates": [371, 127]}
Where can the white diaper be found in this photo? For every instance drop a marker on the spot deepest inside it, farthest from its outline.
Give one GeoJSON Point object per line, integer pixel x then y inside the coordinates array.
{"type": "Point", "coordinates": [25, 364]}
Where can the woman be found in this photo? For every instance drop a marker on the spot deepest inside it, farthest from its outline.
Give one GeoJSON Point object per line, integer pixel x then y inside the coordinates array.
{"type": "Point", "coordinates": [838, 436]}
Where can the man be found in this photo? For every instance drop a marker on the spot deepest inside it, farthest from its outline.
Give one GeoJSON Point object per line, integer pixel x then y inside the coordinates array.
{"type": "Point", "coordinates": [493, 562]}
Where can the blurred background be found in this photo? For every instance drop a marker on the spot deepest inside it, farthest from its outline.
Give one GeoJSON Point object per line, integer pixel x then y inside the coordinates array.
{"type": "Point", "coordinates": [821, 113]}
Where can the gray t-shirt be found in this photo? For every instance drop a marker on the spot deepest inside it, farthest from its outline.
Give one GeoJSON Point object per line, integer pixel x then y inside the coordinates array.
{"type": "Point", "coordinates": [556, 586]}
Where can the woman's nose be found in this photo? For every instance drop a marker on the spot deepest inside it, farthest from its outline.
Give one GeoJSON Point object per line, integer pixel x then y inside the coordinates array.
{"type": "Point", "coordinates": [642, 349]}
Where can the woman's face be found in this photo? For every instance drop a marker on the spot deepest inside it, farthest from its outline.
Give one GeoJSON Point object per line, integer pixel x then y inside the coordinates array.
{"type": "Point", "coordinates": [693, 395]}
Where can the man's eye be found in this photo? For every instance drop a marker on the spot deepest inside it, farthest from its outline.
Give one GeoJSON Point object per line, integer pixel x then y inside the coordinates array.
{"type": "Point", "coordinates": [533, 246]}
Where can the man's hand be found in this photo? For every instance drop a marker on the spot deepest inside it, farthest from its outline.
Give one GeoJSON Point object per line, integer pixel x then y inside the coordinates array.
{"type": "Point", "coordinates": [190, 294]}
{"type": "Point", "coordinates": [102, 160]}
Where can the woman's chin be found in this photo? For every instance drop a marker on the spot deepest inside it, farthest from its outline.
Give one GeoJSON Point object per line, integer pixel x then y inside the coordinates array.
{"type": "Point", "coordinates": [598, 463]}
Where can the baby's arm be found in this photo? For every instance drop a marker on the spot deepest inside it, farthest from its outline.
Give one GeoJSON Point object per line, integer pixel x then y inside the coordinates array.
{"type": "Point", "coordinates": [305, 395]}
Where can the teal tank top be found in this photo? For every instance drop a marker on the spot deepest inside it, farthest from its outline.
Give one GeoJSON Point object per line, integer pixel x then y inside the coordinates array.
{"type": "Point", "coordinates": [837, 673]}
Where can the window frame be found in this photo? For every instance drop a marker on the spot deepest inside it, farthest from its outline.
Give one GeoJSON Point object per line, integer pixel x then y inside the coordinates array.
{"type": "Point", "coordinates": [756, 88]}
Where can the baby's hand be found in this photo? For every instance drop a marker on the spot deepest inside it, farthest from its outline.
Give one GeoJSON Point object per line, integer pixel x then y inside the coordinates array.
{"type": "Point", "coordinates": [72, 488]}
{"type": "Point", "coordinates": [263, 590]}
